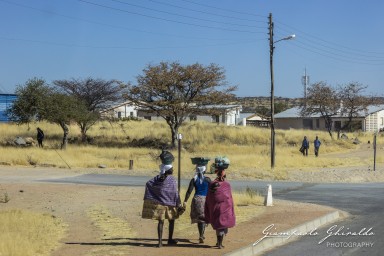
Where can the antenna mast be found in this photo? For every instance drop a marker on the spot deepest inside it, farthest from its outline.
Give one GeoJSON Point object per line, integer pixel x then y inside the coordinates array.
{"type": "Point", "coordinates": [305, 82]}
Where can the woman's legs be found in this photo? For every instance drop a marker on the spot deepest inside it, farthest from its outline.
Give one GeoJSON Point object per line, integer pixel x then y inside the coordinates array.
{"type": "Point", "coordinates": [170, 235]}
{"type": "Point", "coordinates": [201, 227]}
{"type": "Point", "coordinates": [160, 226]}
{"type": "Point", "coordinates": [220, 233]}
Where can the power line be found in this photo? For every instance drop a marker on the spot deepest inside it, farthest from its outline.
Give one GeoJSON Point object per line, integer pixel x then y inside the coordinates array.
{"type": "Point", "coordinates": [168, 20]}
{"type": "Point", "coordinates": [111, 25]}
{"type": "Point", "coordinates": [126, 47]}
{"type": "Point", "coordinates": [335, 53]}
{"type": "Point", "coordinates": [317, 39]}
{"type": "Point", "coordinates": [204, 12]}
{"type": "Point", "coordinates": [184, 16]}
{"type": "Point", "coordinates": [223, 9]}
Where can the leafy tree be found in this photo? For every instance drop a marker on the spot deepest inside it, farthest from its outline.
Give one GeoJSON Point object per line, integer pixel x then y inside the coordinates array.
{"type": "Point", "coordinates": [31, 98]}
{"type": "Point", "coordinates": [264, 111]}
{"type": "Point", "coordinates": [61, 109]}
{"type": "Point", "coordinates": [280, 107]}
{"type": "Point", "coordinates": [174, 91]}
{"type": "Point", "coordinates": [94, 94]}
{"type": "Point", "coordinates": [37, 101]}
{"type": "Point", "coordinates": [321, 99]}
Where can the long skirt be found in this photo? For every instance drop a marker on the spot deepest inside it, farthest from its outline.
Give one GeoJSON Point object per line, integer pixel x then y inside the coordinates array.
{"type": "Point", "coordinates": [155, 211]}
{"type": "Point", "coordinates": [197, 209]}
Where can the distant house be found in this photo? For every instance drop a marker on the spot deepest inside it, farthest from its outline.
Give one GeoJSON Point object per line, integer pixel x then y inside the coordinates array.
{"type": "Point", "coordinates": [256, 120]}
{"type": "Point", "coordinates": [228, 114]}
{"type": "Point", "coordinates": [123, 110]}
{"type": "Point", "coordinates": [371, 120]}
{"type": "Point", "coordinates": [6, 101]}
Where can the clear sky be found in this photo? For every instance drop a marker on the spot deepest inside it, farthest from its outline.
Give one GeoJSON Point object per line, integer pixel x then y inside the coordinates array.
{"type": "Point", "coordinates": [337, 41]}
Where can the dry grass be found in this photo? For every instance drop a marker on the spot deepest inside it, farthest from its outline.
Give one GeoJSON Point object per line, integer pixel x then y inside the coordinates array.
{"type": "Point", "coordinates": [26, 233]}
{"type": "Point", "coordinates": [115, 143]}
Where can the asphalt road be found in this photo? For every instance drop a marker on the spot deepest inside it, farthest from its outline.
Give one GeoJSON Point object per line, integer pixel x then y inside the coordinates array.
{"type": "Point", "coordinates": [360, 234]}
{"type": "Point", "coordinates": [365, 203]}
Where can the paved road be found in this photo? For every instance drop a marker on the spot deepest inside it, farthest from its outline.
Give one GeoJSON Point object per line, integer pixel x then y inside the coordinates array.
{"type": "Point", "coordinates": [365, 203]}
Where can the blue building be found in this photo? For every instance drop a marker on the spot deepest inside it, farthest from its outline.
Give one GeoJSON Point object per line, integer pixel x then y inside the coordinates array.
{"type": "Point", "coordinates": [6, 101]}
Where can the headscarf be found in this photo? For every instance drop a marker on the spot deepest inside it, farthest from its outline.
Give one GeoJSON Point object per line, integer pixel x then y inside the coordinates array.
{"type": "Point", "coordinates": [164, 168]}
{"type": "Point", "coordinates": [221, 175]}
{"type": "Point", "coordinates": [200, 173]}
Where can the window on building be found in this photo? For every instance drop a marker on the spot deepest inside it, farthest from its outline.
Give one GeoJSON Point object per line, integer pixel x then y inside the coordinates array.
{"type": "Point", "coordinates": [317, 123]}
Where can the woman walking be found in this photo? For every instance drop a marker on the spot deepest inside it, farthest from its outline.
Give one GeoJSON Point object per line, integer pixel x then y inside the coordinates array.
{"type": "Point", "coordinates": [162, 200]}
{"type": "Point", "coordinates": [219, 207]}
{"type": "Point", "coordinates": [200, 184]}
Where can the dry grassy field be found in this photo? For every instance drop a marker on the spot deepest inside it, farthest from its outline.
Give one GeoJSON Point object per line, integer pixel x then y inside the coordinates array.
{"type": "Point", "coordinates": [114, 144]}
{"type": "Point", "coordinates": [42, 219]}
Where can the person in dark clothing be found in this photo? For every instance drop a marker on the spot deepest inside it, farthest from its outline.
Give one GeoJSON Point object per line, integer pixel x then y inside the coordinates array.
{"type": "Point", "coordinates": [316, 144]}
{"type": "Point", "coordinates": [162, 200]}
{"type": "Point", "coordinates": [200, 184]}
{"type": "Point", "coordinates": [304, 146]}
{"type": "Point", "coordinates": [40, 137]}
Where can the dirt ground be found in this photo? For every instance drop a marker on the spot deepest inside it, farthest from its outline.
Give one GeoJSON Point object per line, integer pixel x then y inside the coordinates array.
{"type": "Point", "coordinates": [105, 220]}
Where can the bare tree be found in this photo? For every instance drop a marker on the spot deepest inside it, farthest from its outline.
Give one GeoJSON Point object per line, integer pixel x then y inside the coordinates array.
{"type": "Point", "coordinates": [94, 93]}
{"type": "Point", "coordinates": [321, 99]}
{"type": "Point", "coordinates": [174, 91]}
{"type": "Point", "coordinates": [353, 102]}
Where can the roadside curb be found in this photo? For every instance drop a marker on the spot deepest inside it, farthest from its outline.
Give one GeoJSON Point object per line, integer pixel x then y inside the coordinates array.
{"type": "Point", "coordinates": [270, 242]}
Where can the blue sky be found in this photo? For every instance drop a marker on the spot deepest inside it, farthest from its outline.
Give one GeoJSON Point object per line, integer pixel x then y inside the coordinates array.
{"type": "Point", "coordinates": [337, 41]}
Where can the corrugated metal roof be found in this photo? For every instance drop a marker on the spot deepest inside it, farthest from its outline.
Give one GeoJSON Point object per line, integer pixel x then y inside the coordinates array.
{"type": "Point", "coordinates": [6, 101]}
{"type": "Point", "coordinates": [295, 112]}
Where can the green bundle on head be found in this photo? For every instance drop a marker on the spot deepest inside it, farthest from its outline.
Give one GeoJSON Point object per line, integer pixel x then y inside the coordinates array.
{"type": "Point", "coordinates": [166, 157]}
{"type": "Point", "coordinates": [221, 162]}
{"type": "Point", "coordinates": [200, 161]}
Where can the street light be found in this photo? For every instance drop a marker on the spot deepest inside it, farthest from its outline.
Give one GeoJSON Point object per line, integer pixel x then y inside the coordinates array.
{"type": "Point", "coordinates": [272, 122]}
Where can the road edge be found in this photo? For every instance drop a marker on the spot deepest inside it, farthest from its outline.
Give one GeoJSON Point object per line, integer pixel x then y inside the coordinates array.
{"type": "Point", "coordinates": [271, 242]}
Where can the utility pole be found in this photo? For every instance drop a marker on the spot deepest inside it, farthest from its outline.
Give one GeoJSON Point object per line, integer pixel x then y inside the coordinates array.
{"type": "Point", "coordinates": [272, 122]}
{"type": "Point", "coordinates": [179, 137]}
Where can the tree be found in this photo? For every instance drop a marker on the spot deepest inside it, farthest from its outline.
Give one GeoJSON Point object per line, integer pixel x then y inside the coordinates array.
{"type": "Point", "coordinates": [37, 101]}
{"type": "Point", "coordinates": [30, 99]}
{"type": "Point", "coordinates": [280, 107]}
{"type": "Point", "coordinates": [321, 99]}
{"type": "Point", "coordinates": [174, 91]}
{"type": "Point", "coordinates": [353, 102]}
{"type": "Point", "coordinates": [95, 94]}
{"type": "Point", "coordinates": [61, 109]}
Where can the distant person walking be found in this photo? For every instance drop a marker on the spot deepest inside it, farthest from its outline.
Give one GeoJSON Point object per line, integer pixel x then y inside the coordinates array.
{"type": "Point", "coordinates": [316, 144]}
{"type": "Point", "coordinates": [40, 137]}
{"type": "Point", "coordinates": [304, 146]}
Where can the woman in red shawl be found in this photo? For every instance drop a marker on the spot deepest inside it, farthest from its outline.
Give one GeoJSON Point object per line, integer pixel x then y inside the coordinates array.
{"type": "Point", "coordinates": [219, 208]}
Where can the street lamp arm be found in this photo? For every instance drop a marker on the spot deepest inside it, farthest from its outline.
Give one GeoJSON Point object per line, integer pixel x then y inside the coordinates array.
{"type": "Point", "coordinates": [286, 38]}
